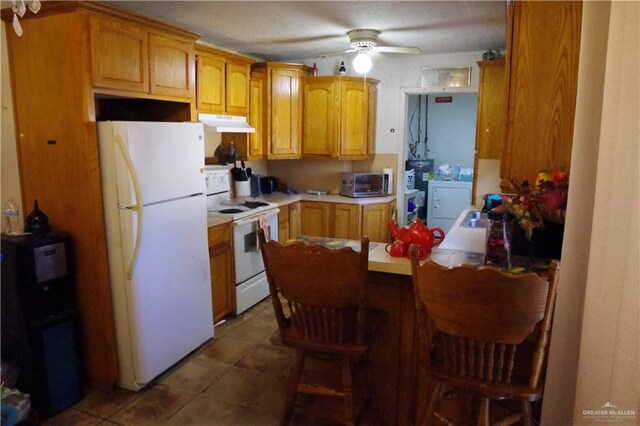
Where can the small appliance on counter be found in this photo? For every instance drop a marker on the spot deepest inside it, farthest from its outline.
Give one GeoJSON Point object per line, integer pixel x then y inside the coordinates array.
{"type": "Point", "coordinates": [269, 185]}
{"type": "Point", "coordinates": [356, 185]}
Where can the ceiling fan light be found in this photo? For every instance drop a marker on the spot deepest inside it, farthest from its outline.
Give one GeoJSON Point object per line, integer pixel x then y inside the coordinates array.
{"type": "Point", "coordinates": [362, 63]}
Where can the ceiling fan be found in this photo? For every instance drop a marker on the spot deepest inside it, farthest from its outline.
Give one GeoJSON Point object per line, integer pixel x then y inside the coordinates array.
{"type": "Point", "coordinates": [366, 40]}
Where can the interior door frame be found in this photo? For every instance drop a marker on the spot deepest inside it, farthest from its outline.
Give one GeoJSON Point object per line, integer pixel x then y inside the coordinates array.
{"type": "Point", "coordinates": [405, 92]}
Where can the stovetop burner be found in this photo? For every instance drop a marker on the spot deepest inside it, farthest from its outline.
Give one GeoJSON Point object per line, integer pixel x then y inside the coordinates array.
{"type": "Point", "coordinates": [255, 204]}
{"type": "Point", "coordinates": [230, 211]}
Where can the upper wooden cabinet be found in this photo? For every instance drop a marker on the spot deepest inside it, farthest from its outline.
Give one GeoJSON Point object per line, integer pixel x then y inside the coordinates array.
{"type": "Point", "coordinates": [281, 108]}
{"type": "Point", "coordinates": [223, 82]}
{"type": "Point", "coordinates": [128, 56]}
{"type": "Point", "coordinates": [338, 117]}
{"type": "Point", "coordinates": [543, 46]}
{"type": "Point", "coordinates": [491, 112]}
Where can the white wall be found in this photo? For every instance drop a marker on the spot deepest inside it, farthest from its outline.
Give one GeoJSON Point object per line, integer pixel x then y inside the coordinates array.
{"type": "Point", "coordinates": [451, 129]}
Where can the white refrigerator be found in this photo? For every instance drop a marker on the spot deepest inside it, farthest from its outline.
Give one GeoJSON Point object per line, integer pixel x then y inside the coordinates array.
{"type": "Point", "coordinates": [156, 226]}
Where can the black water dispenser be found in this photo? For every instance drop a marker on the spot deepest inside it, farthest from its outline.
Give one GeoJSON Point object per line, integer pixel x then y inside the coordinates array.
{"type": "Point", "coordinates": [39, 319]}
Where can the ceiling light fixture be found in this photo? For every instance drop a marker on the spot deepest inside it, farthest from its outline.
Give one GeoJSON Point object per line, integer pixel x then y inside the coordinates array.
{"type": "Point", "coordinates": [362, 62]}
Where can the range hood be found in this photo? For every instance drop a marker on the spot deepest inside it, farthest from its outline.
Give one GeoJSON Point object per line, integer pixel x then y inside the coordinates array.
{"type": "Point", "coordinates": [225, 123]}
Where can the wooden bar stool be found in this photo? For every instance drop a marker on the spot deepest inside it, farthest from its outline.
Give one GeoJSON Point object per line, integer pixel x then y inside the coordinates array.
{"type": "Point", "coordinates": [323, 291]}
{"type": "Point", "coordinates": [474, 322]}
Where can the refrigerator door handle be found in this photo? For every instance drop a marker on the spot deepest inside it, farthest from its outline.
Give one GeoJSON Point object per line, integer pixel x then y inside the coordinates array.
{"type": "Point", "coordinates": [137, 207]}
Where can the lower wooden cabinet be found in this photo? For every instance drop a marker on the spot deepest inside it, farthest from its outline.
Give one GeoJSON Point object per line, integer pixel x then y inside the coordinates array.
{"type": "Point", "coordinates": [348, 221]}
{"type": "Point", "coordinates": [221, 264]}
{"type": "Point", "coordinates": [288, 222]}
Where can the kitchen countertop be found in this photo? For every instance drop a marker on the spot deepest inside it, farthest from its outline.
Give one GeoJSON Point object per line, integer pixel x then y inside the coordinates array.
{"type": "Point", "coordinates": [464, 239]}
{"type": "Point", "coordinates": [282, 199]}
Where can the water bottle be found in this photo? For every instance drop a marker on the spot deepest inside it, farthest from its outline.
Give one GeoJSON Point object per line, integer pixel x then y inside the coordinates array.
{"type": "Point", "coordinates": [456, 172]}
{"type": "Point", "coordinates": [12, 216]}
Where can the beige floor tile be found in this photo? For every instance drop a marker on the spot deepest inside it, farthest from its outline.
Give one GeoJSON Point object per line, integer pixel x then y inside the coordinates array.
{"type": "Point", "coordinates": [227, 350]}
{"type": "Point", "coordinates": [72, 417]}
{"type": "Point", "coordinates": [206, 410]}
{"type": "Point", "coordinates": [268, 359]}
{"type": "Point", "coordinates": [105, 404]}
{"type": "Point", "coordinates": [240, 386]}
{"type": "Point", "coordinates": [252, 331]}
{"type": "Point", "coordinates": [196, 374]}
{"type": "Point", "coordinates": [153, 407]}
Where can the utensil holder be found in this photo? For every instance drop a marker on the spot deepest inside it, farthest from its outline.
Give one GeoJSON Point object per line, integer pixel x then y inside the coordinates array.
{"type": "Point", "coordinates": [243, 188]}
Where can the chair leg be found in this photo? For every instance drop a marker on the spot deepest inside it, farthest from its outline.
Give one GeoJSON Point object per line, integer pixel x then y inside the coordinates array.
{"type": "Point", "coordinates": [483, 417]}
{"type": "Point", "coordinates": [347, 390]}
{"type": "Point", "coordinates": [526, 413]}
{"type": "Point", "coordinates": [294, 379]}
{"type": "Point", "coordinates": [432, 406]}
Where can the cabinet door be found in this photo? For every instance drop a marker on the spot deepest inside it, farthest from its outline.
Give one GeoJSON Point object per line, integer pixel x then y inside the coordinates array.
{"type": "Point", "coordinates": [119, 55]}
{"type": "Point", "coordinates": [373, 111]}
{"type": "Point", "coordinates": [284, 140]}
{"type": "Point", "coordinates": [256, 119]}
{"type": "Point", "coordinates": [211, 88]}
{"type": "Point", "coordinates": [314, 218]}
{"type": "Point", "coordinates": [221, 264]}
{"type": "Point", "coordinates": [345, 221]}
{"type": "Point", "coordinates": [283, 224]}
{"type": "Point", "coordinates": [491, 111]}
{"type": "Point", "coordinates": [319, 118]}
{"type": "Point", "coordinates": [171, 66]}
{"type": "Point", "coordinates": [374, 221]}
{"type": "Point", "coordinates": [542, 78]}
{"type": "Point", "coordinates": [294, 220]}
{"type": "Point", "coordinates": [237, 88]}
{"type": "Point", "coordinates": [354, 113]}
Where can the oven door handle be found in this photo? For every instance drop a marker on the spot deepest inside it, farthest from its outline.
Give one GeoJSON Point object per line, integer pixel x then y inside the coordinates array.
{"type": "Point", "coordinates": [255, 218]}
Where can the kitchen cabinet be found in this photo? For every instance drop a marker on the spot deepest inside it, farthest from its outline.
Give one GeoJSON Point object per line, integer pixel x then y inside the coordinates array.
{"type": "Point", "coordinates": [70, 58]}
{"type": "Point", "coordinates": [221, 263]}
{"type": "Point", "coordinates": [281, 108]}
{"type": "Point", "coordinates": [250, 146]}
{"type": "Point", "coordinates": [543, 46]}
{"type": "Point", "coordinates": [374, 221]}
{"type": "Point", "coordinates": [344, 220]}
{"type": "Point", "coordinates": [222, 81]}
{"type": "Point", "coordinates": [288, 222]}
{"type": "Point", "coordinates": [338, 117]}
{"type": "Point", "coordinates": [491, 113]}
{"type": "Point", "coordinates": [129, 56]}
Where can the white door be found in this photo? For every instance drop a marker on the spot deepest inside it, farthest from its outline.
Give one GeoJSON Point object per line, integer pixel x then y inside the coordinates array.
{"type": "Point", "coordinates": [169, 294]}
{"type": "Point", "coordinates": [166, 158]}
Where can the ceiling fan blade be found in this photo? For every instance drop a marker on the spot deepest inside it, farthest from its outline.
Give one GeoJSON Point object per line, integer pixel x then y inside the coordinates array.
{"type": "Point", "coordinates": [339, 52]}
{"type": "Point", "coordinates": [391, 49]}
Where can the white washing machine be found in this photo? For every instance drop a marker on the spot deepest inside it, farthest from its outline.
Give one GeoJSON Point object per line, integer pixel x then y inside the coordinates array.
{"type": "Point", "coordinates": [447, 199]}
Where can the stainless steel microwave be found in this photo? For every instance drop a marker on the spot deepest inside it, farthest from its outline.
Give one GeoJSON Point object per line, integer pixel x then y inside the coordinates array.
{"type": "Point", "coordinates": [358, 185]}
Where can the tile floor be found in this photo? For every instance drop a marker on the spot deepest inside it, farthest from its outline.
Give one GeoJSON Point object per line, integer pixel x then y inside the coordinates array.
{"type": "Point", "coordinates": [239, 378]}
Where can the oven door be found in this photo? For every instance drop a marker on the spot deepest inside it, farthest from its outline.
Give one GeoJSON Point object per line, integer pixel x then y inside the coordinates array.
{"type": "Point", "coordinates": [248, 259]}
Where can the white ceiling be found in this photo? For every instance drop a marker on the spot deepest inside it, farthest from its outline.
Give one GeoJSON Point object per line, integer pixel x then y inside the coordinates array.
{"type": "Point", "coordinates": [288, 30]}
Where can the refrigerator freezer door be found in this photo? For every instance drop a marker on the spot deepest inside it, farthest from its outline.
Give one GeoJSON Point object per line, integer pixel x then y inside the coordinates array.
{"type": "Point", "coordinates": [165, 158]}
{"type": "Point", "coordinates": [164, 312]}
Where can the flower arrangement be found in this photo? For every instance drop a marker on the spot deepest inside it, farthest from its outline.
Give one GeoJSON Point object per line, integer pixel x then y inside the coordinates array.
{"type": "Point", "coordinates": [547, 201]}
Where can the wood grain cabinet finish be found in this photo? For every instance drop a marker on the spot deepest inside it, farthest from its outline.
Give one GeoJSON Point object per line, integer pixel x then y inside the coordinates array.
{"type": "Point", "coordinates": [72, 53]}
{"type": "Point", "coordinates": [543, 46]}
{"type": "Point", "coordinates": [129, 56]}
{"type": "Point", "coordinates": [281, 108]}
{"type": "Point", "coordinates": [343, 220]}
{"type": "Point", "coordinates": [491, 110]}
{"type": "Point", "coordinates": [222, 81]}
{"type": "Point", "coordinates": [221, 263]}
{"type": "Point", "coordinates": [283, 224]}
{"type": "Point", "coordinates": [338, 117]}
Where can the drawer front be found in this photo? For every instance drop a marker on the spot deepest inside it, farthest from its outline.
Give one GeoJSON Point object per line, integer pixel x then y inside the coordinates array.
{"type": "Point", "coordinates": [219, 234]}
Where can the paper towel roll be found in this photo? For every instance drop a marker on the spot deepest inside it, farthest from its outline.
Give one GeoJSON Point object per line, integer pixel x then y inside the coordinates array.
{"type": "Point", "coordinates": [389, 173]}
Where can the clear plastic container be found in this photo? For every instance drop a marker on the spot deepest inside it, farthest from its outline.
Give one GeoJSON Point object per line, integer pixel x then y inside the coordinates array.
{"type": "Point", "coordinates": [12, 216]}
{"type": "Point", "coordinates": [498, 240]}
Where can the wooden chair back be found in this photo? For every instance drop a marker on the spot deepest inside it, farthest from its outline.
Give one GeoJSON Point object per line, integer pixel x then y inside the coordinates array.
{"type": "Point", "coordinates": [479, 317]}
{"type": "Point", "coordinates": [322, 288]}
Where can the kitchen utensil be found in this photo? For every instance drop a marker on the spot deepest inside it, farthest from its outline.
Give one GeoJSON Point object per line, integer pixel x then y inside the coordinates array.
{"type": "Point", "coordinates": [37, 222]}
{"type": "Point", "coordinates": [397, 249]}
{"type": "Point", "coordinates": [248, 171]}
{"type": "Point", "coordinates": [417, 233]}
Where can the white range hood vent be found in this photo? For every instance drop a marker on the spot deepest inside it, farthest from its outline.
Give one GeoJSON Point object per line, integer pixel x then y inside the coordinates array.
{"type": "Point", "coordinates": [225, 123]}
